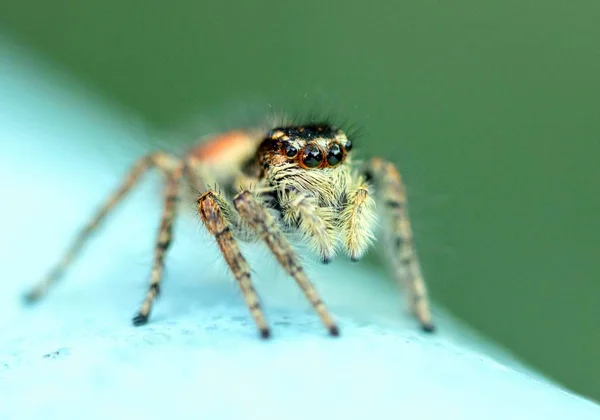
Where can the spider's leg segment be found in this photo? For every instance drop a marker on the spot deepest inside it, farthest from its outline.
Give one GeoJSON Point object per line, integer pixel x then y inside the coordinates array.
{"type": "Point", "coordinates": [261, 222]}
{"type": "Point", "coordinates": [163, 240]}
{"type": "Point", "coordinates": [358, 220]}
{"type": "Point", "coordinates": [392, 193]}
{"type": "Point", "coordinates": [158, 160]}
{"type": "Point", "coordinates": [213, 210]}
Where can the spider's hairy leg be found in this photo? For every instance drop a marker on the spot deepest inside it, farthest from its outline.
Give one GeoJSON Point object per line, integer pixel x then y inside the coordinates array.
{"type": "Point", "coordinates": [163, 240]}
{"type": "Point", "coordinates": [393, 196]}
{"type": "Point", "coordinates": [155, 160]}
{"type": "Point", "coordinates": [214, 211]}
{"type": "Point", "coordinates": [314, 223]}
{"type": "Point", "coordinates": [259, 220]}
{"type": "Point", "coordinates": [357, 220]}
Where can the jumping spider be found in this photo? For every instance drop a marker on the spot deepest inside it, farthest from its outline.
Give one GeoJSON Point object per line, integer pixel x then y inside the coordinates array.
{"type": "Point", "coordinates": [287, 179]}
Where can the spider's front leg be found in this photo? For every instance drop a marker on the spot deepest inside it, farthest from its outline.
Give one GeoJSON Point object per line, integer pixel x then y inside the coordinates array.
{"type": "Point", "coordinates": [219, 219]}
{"type": "Point", "coordinates": [392, 195]}
{"type": "Point", "coordinates": [260, 221]}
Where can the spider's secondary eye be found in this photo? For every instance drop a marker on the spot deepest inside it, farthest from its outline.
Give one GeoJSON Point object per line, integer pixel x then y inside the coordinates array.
{"type": "Point", "coordinates": [289, 150]}
{"type": "Point", "coordinates": [348, 145]}
{"type": "Point", "coordinates": [312, 156]}
{"type": "Point", "coordinates": [335, 154]}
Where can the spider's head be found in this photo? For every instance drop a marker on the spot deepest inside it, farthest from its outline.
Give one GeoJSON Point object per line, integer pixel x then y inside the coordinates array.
{"type": "Point", "coordinates": [311, 146]}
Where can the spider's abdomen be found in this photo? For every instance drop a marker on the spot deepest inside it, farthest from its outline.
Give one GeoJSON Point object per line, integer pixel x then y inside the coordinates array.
{"type": "Point", "coordinates": [221, 156]}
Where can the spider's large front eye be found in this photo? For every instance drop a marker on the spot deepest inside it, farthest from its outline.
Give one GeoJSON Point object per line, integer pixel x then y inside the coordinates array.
{"type": "Point", "coordinates": [335, 154]}
{"type": "Point", "coordinates": [312, 156]}
{"type": "Point", "coordinates": [289, 149]}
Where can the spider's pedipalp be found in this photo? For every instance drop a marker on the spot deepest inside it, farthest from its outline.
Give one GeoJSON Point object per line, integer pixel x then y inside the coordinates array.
{"type": "Point", "coordinates": [316, 224]}
{"type": "Point", "coordinates": [393, 196]}
{"type": "Point", "coordinates": [212, 211]}
{"type": "Point", "coordinates": [259, 219]}
{"type": "Point", "coordinates": [357, 220]}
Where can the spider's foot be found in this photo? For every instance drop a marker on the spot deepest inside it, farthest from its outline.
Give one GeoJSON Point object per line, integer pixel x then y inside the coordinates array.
{"type": "Point", "coordinates": [265, 333]}
{"type": "Point", "coordinates": [140, 319]}
{"type": "Point", "coordinates": [428, 327]}
{"type": "Point", "coordinates": [334, 331]}
{"type": "Point", "coordinates": [31, 297]}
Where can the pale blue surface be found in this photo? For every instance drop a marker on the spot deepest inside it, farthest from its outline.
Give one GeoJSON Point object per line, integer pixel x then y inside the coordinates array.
{"type": "Point", "coordinates": [76, 355]}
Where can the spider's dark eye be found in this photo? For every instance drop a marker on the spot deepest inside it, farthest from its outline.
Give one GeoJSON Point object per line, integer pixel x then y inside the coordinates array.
{"type": "Point", "coordinates": [335, 154]}
{"type": "Point", "coordinates": [348, 145]}
{"type": "Point", "coordinates": [312, 156]}
{"type": "Point", "coordinates": [289, 150]}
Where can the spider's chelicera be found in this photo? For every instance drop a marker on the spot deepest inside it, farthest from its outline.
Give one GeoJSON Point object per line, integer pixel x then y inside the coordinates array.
{"type": "Point", "coordinates": [293, 179]}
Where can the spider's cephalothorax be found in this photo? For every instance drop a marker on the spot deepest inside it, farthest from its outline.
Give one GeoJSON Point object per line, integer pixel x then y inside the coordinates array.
{"type": "Point", "coordinates": [305, 173]}
{"type": "Point", "coordinates": [293, 179]}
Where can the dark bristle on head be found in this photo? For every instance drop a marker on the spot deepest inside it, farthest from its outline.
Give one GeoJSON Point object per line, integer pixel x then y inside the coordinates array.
{"type": "Point", "coordinates": [307, 131]}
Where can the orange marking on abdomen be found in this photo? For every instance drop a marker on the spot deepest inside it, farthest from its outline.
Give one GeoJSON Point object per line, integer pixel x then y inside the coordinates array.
{"type": "Point", "coordinates": [221, 146]}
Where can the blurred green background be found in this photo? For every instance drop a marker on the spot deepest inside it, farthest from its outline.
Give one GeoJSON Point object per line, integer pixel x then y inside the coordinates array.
{"type": "Point", "coordinates": [491, 111]}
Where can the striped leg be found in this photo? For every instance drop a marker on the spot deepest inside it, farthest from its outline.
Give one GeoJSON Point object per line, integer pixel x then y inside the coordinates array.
{"type": "Point", "coordinates": [393, 196]}
{"type": "Point", "coordinates": [163, 240]}
{"type": "Point", "coordinates": [159, 160]}
{"type": "Point", "coordinates": [213, 211]}
{"type": "Point", "coordinates": [257, 217]}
